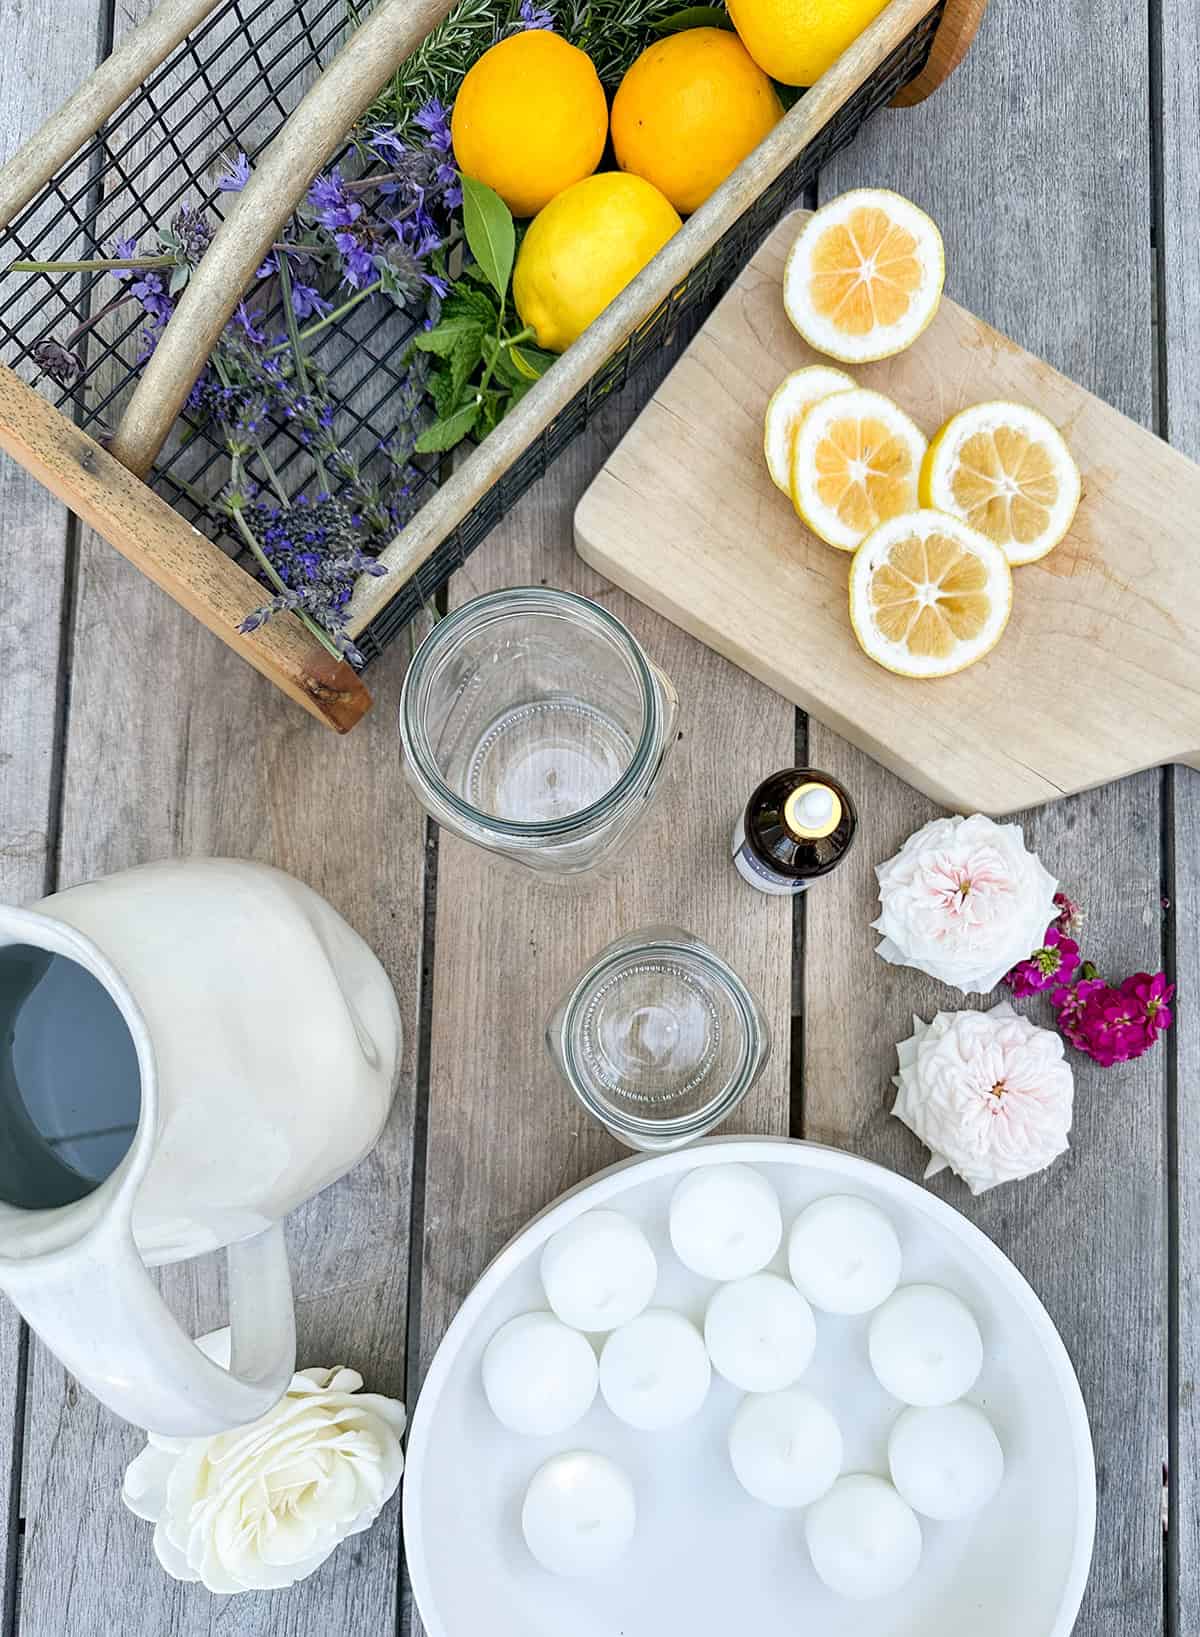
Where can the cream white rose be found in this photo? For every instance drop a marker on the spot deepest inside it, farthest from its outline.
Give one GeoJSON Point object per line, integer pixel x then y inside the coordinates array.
{"type": "Point", "coordinates": [988, 1093]}
{"type": "Point", "coordinates": [265, 1505]}
{"type": "Point", "coordinates": [964, 901]}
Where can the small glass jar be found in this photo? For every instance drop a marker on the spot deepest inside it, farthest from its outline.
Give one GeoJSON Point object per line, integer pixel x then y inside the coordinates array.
{"type": "Point", "coordinates": [533, 724]}
{"type": "Point", "coordinates": [659, 1039]}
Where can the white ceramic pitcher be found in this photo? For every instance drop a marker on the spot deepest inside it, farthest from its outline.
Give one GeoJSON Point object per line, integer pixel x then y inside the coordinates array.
{"type": "Point", "coordinates": [256, 1050]}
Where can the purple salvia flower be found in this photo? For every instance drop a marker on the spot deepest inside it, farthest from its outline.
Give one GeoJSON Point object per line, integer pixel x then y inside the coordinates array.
{"type": "Point", "coordinates": [331, 204]}
{"type": "Point", "coordinates": [386, 145]}
{"type": "Point", "coordinates": [434, 121]}
{"type": "Point", "coordinates": [236, 177]}
{"type": "Point", "coordinates": [358, 265]}
{"type": "Point", "coordinates": [534, 16]}
{"type": "Point", "coordinates": [306, 301]}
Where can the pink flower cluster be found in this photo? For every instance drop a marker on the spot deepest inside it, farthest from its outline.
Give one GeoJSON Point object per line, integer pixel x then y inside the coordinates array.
{"type": "Point", "coordinates": [1112, 1024]}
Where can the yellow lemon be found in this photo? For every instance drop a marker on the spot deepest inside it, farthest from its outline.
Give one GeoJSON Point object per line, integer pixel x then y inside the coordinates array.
{"type": "Point", "coordinates": [929, 595]}
{"type": "Point", "coordinates": [530, 118]}
{"type": "Point", "coordinates": [864, 278]}
{"type": "Point", "coordinates": [689, 111]}
{"type": "Point", "coordinates": [1007, 471]}
{"type": "Point", "coordinates": [583, 249]}
{"type": "Point", "coordinates": [795, 41]}
{"type": "Point", "coordinates": [789, 403]}
{"type": "Point", "coordinates": [856, 461]}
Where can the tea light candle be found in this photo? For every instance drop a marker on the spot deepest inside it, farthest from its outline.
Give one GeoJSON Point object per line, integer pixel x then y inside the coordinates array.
{"type": "Point", "coordinates": [843, 1254]}
{"type": "Point", "coordinates": [945, 1462]}
{"type": "Point", "coordinates": [654, 1371]}
{"type": "Point", "coordinates": [539, 1376]}
{"type": "Point", "coordinates": [579, 1513]}
{"type": "Point", "coordinates": [864, 1540]}
{"type": "Point", "coordinates": [599, 1271]}
{"type": "Point", "coordinates": [786, 1447]}
{"type": "Point", "coordinates": [760, 1333]}
{"type": "Point", "coordinates": [925, 1346]}
{"type": "Point", "coordinates": [725, 1221]}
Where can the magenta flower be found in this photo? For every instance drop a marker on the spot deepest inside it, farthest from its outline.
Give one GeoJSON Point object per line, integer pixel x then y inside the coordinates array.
{"type": "Point", "coordinates": [1054, 963]}
{"type": "Point", "coordinates": [1070, 916]}
{"type": "Point", "coordinates": [1114, 1025]}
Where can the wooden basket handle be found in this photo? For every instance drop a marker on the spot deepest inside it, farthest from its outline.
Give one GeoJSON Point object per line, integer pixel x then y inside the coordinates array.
{"type": "Point", "coordinates": [310, 135]}
{"type": "Point", "coordinates": [101, 94]}
{"type": "Point", "coordinates": [957, 29]}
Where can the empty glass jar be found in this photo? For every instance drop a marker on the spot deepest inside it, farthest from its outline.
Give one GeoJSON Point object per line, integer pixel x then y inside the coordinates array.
{"type": "Point", "coordinates": [659, 1039]}
{"type": "Point", "coordinates": [533, 724]}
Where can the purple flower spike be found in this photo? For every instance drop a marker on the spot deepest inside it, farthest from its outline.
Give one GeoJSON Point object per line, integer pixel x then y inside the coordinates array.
{"type": "Point", "coordinates": [534, 16]}
{"type": "Point", "coordinates": [236, 177]}
{"type": "Point", "coordinates": [306, 301]}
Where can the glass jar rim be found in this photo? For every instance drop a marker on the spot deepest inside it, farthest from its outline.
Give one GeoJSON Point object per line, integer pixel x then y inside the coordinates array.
{"type": "Point", "coordinates": [680, 1127]}
{"type": "Point", "coordinates": [497, 604]}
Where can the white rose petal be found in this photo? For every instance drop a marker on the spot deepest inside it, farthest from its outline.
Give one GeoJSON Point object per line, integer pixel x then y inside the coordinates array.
{"type": "Point", "coordinates": [964, 901]}
{"type": "Point", "coordinates": [265, 1505]}
{"type": "Point", "coordinates": [988, 1093]}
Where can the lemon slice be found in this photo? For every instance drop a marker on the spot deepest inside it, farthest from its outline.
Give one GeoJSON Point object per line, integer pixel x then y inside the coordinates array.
{"type": "Point", "coordinates": [865, 276]}
{"type": "Point", "coordinates": [855, 463]}
{"type": "Point", "coordinates": [802, 389]}
{"type": "Point", "coordinates": [1006, 470]}
{"type": "Point", "coordinates": [929, 595]}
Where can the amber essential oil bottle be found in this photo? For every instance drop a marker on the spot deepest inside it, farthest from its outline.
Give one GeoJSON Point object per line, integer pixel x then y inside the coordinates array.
{"type": "Point", "coordinates": [798, 825]}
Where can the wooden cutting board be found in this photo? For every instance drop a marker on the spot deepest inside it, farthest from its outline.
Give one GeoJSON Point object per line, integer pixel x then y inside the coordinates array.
{"type": "Point", "coordinates": [1098, 673]}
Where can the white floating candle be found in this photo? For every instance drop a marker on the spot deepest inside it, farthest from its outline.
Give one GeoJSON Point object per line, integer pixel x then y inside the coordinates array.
{"type": "Point", "coordinates": [579, 1513]}
{"type": "Point", "coordinates": [843, 1254]}
{"type": "Point", "coordinates": [786, 1448]}
{"type": "Point", "coordinates": [864, 1540]}
{"type": "Point", "coordinates": [925, 1346]}
{"type": "Point", "coordinates": [654, 1371]}
{"type": "Point", "coordinates": [760, 1333]}
{"type": "Point", "coordinates": [539, 1376]}
{"type": "Point", "coordinates": [599, 1271]}
{"type": "Point", "coordinates": [725, 1221]}
{"type": "Point", "coordinates": [946, 1462]}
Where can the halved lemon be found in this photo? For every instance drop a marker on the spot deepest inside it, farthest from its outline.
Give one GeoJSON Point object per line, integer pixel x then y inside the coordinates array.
{"type": "Point", "coordinates": [929, 595]}
{"type": "Point", "coordinates": [865, 276]}
{"type": "Point", "coordinates": [1005, 469]}
{"type": "Point", "coordinates": [800, 391]}
{"type": "Point", "coordinates": [786, 410]}
{"type": "Point", "coordinates": [855, 463]}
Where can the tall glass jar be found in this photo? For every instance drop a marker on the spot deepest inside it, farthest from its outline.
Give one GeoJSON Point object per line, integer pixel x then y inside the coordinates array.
{"type": "Point", "coordinates": [533, 724]}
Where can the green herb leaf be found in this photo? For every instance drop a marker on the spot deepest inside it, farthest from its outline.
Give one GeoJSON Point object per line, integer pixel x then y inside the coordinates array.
{"type": "Point", "coordinates": [444, 434]}
{"type": "Point", "coordinates": [441, 390]}
{"type": "Point", "coordinates": [179, 278]}
{"type": "Point", "coordinates": [465, 360]}
{"type": "Point", "coordinates": [532, 361]}
{"type": "Point", "coordinates": [448, 334]}
{"type": "Point", "coordinates": [491, 236]}
{"type": "Point", "coordinates": [465, 302]}
{"type": "Point", "coordinates": [693, 17]}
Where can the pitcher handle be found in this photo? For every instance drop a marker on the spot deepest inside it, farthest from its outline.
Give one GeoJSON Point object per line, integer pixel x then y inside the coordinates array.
{"type": "Point", "coordinates": [101, 1313]}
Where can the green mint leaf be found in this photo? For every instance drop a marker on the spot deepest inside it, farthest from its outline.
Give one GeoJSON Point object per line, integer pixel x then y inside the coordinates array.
{"type": "Point", "coordinates": [465, 360]}
{"type": "Point", "coordinates": [465, 302]}
{"type": "Point", "coordinates": [491, 236]}
{"type": "Point", "coordinates": [532, 362]}
{"type": "Point", "coordinates": [693, 17]}
{"type": "Point", "coordinates": [448, 334]}
{"type": "Point", "coordinates": [441, 390]}
{"type": "Point", "coordinates": [444, 434]}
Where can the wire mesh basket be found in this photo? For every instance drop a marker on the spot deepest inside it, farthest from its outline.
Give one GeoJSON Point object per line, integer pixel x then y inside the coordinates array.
{"type": "Point", "coordinates": [243, 78]}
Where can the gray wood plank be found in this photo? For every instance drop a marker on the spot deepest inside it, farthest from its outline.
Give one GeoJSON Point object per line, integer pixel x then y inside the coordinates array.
{"type": "Point", "coordinates": [34, 571]}
{"type": "Point", "coordinates": [1179, 317]}
{"type": "Point", "coordinates": [1012, 158]}
{"type": "Point", "coordinates": [174, 747]}
{"type": "Point", "coordinates": [504, 1136]}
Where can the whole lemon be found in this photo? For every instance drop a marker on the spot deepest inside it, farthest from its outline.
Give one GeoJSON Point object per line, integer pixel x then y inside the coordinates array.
{"type": "Point", "coordinates": [583, 249]}
{"type": "Point", "coordinates": [795, 41]}
{"type": "Point", "coordinates": [530, 118]}
{"type": "Point", "coordinates": [689, 111]}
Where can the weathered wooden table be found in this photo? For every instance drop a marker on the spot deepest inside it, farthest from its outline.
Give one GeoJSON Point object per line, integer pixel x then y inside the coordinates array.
{"type": "Point", "coordinates": [1063, 163]}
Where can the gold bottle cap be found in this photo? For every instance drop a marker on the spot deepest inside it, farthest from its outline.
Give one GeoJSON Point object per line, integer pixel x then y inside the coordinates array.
{"type": "Point", "coordinates": [812, 811]}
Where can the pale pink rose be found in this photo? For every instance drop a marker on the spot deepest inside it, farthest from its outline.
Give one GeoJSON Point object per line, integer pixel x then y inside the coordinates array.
{"type": "Point", "coordinates": [988, 1093]}
{"type": "Point", "coordinates": [964, 901]}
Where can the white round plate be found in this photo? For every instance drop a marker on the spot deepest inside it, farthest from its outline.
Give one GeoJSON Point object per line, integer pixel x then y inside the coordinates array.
{"type": "Point", "coordinates": [707, 1559]}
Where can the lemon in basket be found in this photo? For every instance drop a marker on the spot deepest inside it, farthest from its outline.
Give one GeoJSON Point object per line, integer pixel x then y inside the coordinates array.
{"type": "Point", "coordinates": [929, 595]}
{"type": "Point", "coordinates": [792, 397]}
{"type": "Point", "coordinates": [795, 41]}
{"type": "Point", "coordinates": [1005, 469]}
{"type": "Point", "coordinates": [583, 249]}
{"type": "Point", "coordinates": [530, 118]}
{"type": "Point", "coordinates": [688, 112]}
{"type": "Point", "coordinates": [856, 462]}
{"type": "Point", "coordinates": [865, 276]}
